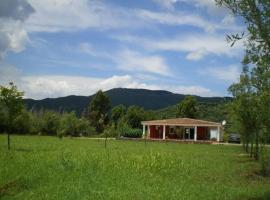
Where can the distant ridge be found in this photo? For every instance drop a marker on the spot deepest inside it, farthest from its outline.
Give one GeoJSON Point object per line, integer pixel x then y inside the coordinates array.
{"type": "Point", "coordinates": [148, 99]}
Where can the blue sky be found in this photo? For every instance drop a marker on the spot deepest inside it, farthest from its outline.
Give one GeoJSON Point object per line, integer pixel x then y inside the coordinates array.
{"type": "Point", "coordinates": [53, 48]}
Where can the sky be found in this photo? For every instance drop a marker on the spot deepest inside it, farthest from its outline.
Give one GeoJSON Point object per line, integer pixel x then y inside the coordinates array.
{"type": "Point", "coordinates": [53, 48]}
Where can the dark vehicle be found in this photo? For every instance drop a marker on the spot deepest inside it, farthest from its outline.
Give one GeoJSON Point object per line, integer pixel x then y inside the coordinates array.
{"type": "Point", "coordinates": [234, 138]}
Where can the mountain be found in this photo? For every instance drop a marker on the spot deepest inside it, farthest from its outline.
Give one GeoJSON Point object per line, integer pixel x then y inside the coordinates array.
{"type": "Point", "coordinates": [148, 99]}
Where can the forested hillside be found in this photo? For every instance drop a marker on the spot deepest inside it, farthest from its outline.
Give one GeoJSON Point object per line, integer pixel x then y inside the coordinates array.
{"type": "Point", "coordinates": [147, 99]}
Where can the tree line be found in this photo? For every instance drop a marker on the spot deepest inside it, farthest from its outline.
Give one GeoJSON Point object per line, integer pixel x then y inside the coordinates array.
{"type": "Point", "coordinates": [98, 119]}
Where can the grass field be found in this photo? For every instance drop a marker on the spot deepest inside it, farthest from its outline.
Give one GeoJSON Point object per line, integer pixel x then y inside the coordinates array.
{"type": "Point", "coordinates": [39, 167]}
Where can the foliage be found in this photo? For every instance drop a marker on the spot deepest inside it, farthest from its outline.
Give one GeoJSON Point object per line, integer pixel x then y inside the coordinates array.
{"type": "Point", "coordinates": [22, 123]}
{"type": "Point", "coordinates": [85, 128]}
{"type": "Point", "coordinates": [12, 104]}
{"type": "Point", "coordinates": [148, 99]}
{"type": "Point", "coordinates": [252, 92]}
{"type": "Point", "coordinates": [11, 101]}
{"type": "Point", "coordinates": [244, 108]}
{"type": "Point", "coordinates": [110, 131]}
{"type": "Point", "coordinates": [117, 113]}
{"type": "Point", "coordinates": [187, 107]}
{"type": "Point", "coordinates": [125, 130]}
{"type": "Point", "coordinates": [3, 118]}
{"type": "Point", "coordinates": [50, 122]}
{"type": "Point", "coordinates": [69, 124]}
{"type": "Point", "coordinates": [135, 115]}
{"type": "Point", "coordinates": [98, 110]}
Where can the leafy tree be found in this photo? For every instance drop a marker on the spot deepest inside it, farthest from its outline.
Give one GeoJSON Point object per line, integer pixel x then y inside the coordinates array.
{"type": "Point", "coordinates": [245, 111]}
{"type": "Point", "coordinates": [134, 116]}
{"type": "Point", "coordinates": [50, 122]}
{"type": "Point", "coordinates": [11, 100]}
{"type": "Point", "coordinates": [3, 118]}
{"type": "Point", "coordinates": [23, 123]}
{"type": "Point", "coordinates": [98, 110]}
{"type": "Point", "coordinates": [69, 124]}
{"type": "Point", "coordinates": [85, 128]}
{"type": "Point", "coordinates": [187, 107]}
{"type": "Point", "coordinates": [118, 112]}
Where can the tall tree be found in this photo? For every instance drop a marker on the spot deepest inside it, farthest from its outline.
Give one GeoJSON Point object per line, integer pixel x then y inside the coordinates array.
{"type": "Point", "coordinates": [187, 107]}
{"type": "Point", "coordinates": [118, 112]}
{"type": "Point", "coordinates": [244, 108]}
{"type": "Point", "coordinates": [11, 100]}
{"type": "Point", "coordinates": [99, 110]}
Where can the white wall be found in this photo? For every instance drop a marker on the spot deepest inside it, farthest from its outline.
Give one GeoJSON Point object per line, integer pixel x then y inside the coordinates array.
{"type": "Point", "coordinates": [213, 133]}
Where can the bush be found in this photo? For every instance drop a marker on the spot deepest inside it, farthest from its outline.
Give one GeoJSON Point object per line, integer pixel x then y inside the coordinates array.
{"type": "Point", "coordinates": [85, 129]}
{"type": "Point", "coordinates": [60, 133]}
{"type": "Point", "coordinates": [133, 133]}
{"type": "Point", "coordinates": [110, 131]}
{"type": "Point", "coordinates": [127, 131]}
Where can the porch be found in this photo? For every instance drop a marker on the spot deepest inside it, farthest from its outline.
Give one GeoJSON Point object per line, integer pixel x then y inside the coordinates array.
{"type": "Point", "coordinates": [182, 129]}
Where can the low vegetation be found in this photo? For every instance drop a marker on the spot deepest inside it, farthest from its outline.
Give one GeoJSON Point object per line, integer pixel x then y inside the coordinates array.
{"type": "Point", "coordinates": [42, 167]}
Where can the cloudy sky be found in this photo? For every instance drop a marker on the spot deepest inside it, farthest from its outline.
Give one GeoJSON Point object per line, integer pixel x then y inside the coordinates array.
{"type": "Point", "coordinates": [53, 48]}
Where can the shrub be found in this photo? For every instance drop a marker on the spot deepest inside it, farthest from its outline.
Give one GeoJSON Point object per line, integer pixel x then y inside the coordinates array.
{"type": "Point", "coordinates": [85, 128]}
{"type": "Point", "coordinates": [110, 131]}
{"type": "Point", "coordinates": [127, 131]}
{"type": "Point", "coordinates": [61, 133]}
{"type": "Point", "coordinates": [133, 133]}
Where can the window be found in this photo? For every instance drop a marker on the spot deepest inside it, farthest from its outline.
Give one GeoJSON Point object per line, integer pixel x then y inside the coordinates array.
{"type": "Point", "coordinates": [171, 130]}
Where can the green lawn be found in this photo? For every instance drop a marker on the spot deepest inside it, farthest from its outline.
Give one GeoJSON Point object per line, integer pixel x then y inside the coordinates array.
{"type": "Point", "coordinates": [49, 168]}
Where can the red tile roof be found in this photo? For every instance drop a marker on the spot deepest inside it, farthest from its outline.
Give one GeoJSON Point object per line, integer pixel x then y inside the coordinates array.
{"type": "Point", "coordinates": [181, 122]}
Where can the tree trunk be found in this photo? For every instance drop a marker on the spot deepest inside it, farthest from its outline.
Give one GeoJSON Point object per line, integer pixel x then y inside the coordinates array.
{"type": "Point", "coordinates": [251, 149]}
{"type": "Point", "coordinates": [106, 140]}
{"type": "Point", "coordinates": [246, 146]}
{"type": "Point", "coordinates": [256, 146]}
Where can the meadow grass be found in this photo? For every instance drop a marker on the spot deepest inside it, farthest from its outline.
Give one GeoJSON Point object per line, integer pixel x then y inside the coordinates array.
{"type": "Point", "coordinates": [39, 167]}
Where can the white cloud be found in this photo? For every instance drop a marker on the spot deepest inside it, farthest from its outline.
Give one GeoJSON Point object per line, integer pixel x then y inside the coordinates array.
{"type": "Point", "coordinates": [193, 90]}
{"type": "Point", "coordinates": [13, 36]}
{"type": "Point", "coordinates": [229, 73]}
{"type": "Point", "coordinates": [181, 18]}
{"type": "Point", "coordinates": [197, 55]}
{"type": "Point", "coordinates": [167, 4]}
{"type": "Point", "coordinates": [210, 5]}
{"type": "Point", "coordinates": [39, 87]}
{"type": "Point", "coordinates": [134, 61]}
{"type": "Point", "coordinates": [71, 15]}
{"type": "Point", "coordinates": [44, 86]}
{"type": "Point", "coordinates": [195, 45]}
{"type": "Point", "coordinates": [74, 15]}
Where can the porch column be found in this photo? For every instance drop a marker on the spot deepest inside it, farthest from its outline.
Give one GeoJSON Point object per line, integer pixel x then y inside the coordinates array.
{"type": "Point", "coordinates": [164, 132]}
{"type": "Point", "coordinates": [148, 131]}
{"type": "Point", "coordinates": [218, 134]}
{"type": "Point", "coordinates": [144, 131]}
{"type": "Point", "coordinates": [195, 133]}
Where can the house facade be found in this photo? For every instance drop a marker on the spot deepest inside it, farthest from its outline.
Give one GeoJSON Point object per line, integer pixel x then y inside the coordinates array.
{"type": "Point", "coordinates": [183, 129]}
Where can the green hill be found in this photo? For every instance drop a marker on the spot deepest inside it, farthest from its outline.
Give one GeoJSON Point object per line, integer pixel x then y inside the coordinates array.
{"type": "Point", "coordinates": [148, 99]}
